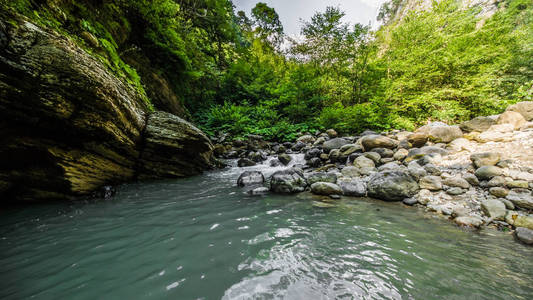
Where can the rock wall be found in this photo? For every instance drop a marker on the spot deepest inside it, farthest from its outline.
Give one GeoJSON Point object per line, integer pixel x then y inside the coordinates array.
{"type": "Point", "coordinates": [69, 126]}
{"type": "Point", "coordinates": [487, 7]}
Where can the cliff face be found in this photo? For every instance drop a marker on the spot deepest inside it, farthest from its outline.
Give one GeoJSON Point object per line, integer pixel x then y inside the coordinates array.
{"type": "Point", "coordinates": [68, 125]}
{"type": "Point", "coordinates": [403, 7]}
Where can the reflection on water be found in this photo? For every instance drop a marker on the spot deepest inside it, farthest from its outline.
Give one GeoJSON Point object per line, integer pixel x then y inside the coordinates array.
{"type": "Point", "coordinates": [201, 238]}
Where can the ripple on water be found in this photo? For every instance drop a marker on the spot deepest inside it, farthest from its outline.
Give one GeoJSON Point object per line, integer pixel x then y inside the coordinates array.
{"type": "Point", "coordinates": [202, 238]}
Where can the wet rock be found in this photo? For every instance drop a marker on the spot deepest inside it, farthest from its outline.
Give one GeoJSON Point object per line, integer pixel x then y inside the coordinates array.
{"type": "Point", "coordinates": [415, 170]}
{"type": "Point", "coordinates": [432, 183]}
{"type": "Point", "coordinates": [468, 221]}
{"type": "Point", "coordinates": [370, 142]}
{"type": "Point", "coordinates": [485, 159]}
{"type": "Point", "coordinates": [335, 156]}
{"type": "Point", "coordinates": [249, 178]}
{"type": "Point", "coordinates": [410, 201]}
{"type": "Point", "coordinates": [320, 204]}
{"type": "Point", "coordinates": [288, 181]}
{"type": "Point", "coordinates": [313, 152]}
{"type": "Point", "coordinates": [383, 152]}
{"type": "Point", "coordinates": [524, 108]}
{"type": "Point", "coordinates": [106, 192]}
{"type": "Point", "coordinates": [331, 133]}
{"type": "Point", "coordinates": [499, 192]}
{"type": "Point", "coordinates": [417, 139]}
{"type": "Point", "coordinates": [478, 124]}
{"type": "Point", "coordinates": [513, 118]}
{"type": "Point", "coordinates": [314, 162]}
{"type": "Point", "coordinates": [298, 146]}
{"type": "Point", "coordinates": [471, 178]}
{"type": "Point", "coordinates": [350, 171]}
{"type": "Point", "coordinates": [245, 162]}
{"type": "Point", "coordinates": [308, 139]}
{"type": "Point", "coordinates": [392, 185]}
{"type": "Point", "coordinates": [519, 219]}
{"type": "Point", "coordinates": [521, 198]}
{"type": "Point", "coordinates": [454, 191]}
{"type": "Point", "coordinates": [352, 187]}
{"type": "Point", "coordinates": [321, 177]}
{"type": "Point", "coordinates": [285, 159]}
{"type": "Point", "coordinates": [275, 163]}
{"type": "Point", "coordinates": [335, 143]}
{"type": "Point", "coordinates": [525, 235]}
{"type": "Point", "coordinates": [375, 157]}
{"type": "Point", "coordinates": [488, 172]}
{"type": "Point", "coordinates": [257, 156]}
{"type": "Point", "coordinates": [325, 188]}
{"type": "Point", "coordinates": [440, 133]}
{"type": "Point", "coordinates": [494, 209]}
{"type": "Point", "coordinates": [432, 169]}
{"type": "Point", "coordinates": [400, 154]}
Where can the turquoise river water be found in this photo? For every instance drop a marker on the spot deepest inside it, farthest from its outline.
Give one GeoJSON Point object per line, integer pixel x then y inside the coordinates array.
{"type": "Point", "coordinates": [202, 238]}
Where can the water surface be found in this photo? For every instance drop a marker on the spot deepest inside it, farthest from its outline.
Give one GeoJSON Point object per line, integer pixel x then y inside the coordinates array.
{"type": "Point", "coordinates": [201, 238]}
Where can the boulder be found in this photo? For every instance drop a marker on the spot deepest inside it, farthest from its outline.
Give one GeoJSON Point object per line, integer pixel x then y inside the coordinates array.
{"type": "Point", "coordinates": [375, 157]}
{"type": "Point", "coordinates": [417, 139]}
{"type": "Point", "coordinates": [308, 139]}
{"type": "Point", "coordinates": [525, 235]}
{"type": "Point", "coordinates": [415, 170]}
{"type": "Point", "coordinates": [478, 124]}
{"type": "Point", "coordinates": [459, 144]}
{"type": "Point", "coordinates": [350, 171]}
{"type": "Point", "coordinates": [524, 108]}
{"type": "Point", "coordinates": [468, 221]}
{"type": "Point", "coordinates": [311, 153]}
{"type": "Point", "coordinates": [320, 177]}
{"type": "Point", "coordinates": [298, 146]}
{"type": "Point", "coordinates": [353, 187]}
{"type": "Point", "coordinates": [521, 198]}
{"type": "Point", "coordinates": [314, 162]}
{"type": "Point", "coordinates": [335, 143]}
{"type": "Point", "coordinates": [485, 159]}
{"type": "Point", "coordinates": [518, 219]}
{"type": "Point", "coordinates": [432, 183]}
{"type": "Point", "coordinates": [499, 192]}
{"type": "Point", "coordinates": [454, 191]}
{"type": "Point", "coordinates": [285, 159]}
{"type": "Point", "coordinates": [400, 154]}
{"type": "Point", "coordinates": [383, 152]}
{"type": "Point", "coordinates": [471, 178]}
{"type": "Point", "coordinates": [288, 181]}
{"type": "Point", "coordinates": [364, 165]}
{"type": "Point", "coordinates": [392, 185]}
{"type": "Point", "coordinates": [494, 209]}
{"type": "Point", "coordinates": [372, 141]}
{"type": "Point", "coordinates": [391, 166]}
{"type": "Point", "coordinates": [245, 162]}
{"type": "Point", "coordinates": [513, 118]}
{"type": "Point", "coordinates": [249, 178]}
{"type": "Point", "coordinates": [325, 188]}
{"type": "Point", "coordinates": [331, 133]}
{"type": "Point", "coordinates": [173, 147]}
{"type": "Point", "coordinates": [488, 172]}
{"type": "Point", "coordinates": [440, 133]}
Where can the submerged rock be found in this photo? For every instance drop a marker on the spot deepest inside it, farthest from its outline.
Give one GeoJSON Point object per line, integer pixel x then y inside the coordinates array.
{"type": "Point", "coordinates": [392, 186]}
{"type": "Point", "coordinates": [468, 221]}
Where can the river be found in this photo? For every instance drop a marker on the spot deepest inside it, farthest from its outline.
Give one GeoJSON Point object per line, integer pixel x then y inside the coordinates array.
{"type": "Point", "coordinates": [202, 238]}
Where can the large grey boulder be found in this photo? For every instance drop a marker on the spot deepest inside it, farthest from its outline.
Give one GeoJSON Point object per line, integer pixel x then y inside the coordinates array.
{"type": "Point", "coordinates": [494, 209]}
{"type": "Point", "coordinates": [284, 158]}
{"type": "Point", "coordinates": [488, 172]}
{"type": "Point", "coordinates": [456, 181]}
{"type": "Point", "coordinates": [250, 178]}
{"type": "Point", "coordinates": [325, 188]}
{"type": "Point", "coordinates": [525, 235]}
{"type": "Point", "coordinates": [320, 177]}
{"type": "Point", "coordinates": [372, 141]}
{"type": "Point", "coordinates": [392, 185]}
{"type": "Point", "coordinates": [335, 143]}
{"type": "Point", "coordinates": [353, 187]}
{"type": "Point", "coordinates": [478, 124]}
{"type": "Point", "coordinates": [524, 108]}
{"type": "Point", "coordinates": [432, 183]}
{"type": "Point", "coordinates": [288, 181]}
{"type": "Point", "coordinates": [440, 133]}
{"type": "Point", "coordinates": [521, 198]}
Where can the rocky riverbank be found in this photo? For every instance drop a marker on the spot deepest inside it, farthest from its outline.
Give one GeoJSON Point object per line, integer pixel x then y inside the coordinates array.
{"type": "Point", "coordinates": [478, 173]}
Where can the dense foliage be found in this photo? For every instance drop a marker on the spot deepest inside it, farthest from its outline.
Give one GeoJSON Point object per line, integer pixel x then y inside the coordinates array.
{"type": "Point", "coordinates": [239, 74]}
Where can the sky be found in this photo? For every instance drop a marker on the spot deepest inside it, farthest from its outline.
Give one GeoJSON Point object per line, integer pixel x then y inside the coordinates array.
{"type": "Point", "coordinates": [291, 11]}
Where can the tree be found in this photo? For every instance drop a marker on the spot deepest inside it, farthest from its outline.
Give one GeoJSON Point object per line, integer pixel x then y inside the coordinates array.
{"type": "Point", "coordinates": [268, 25]}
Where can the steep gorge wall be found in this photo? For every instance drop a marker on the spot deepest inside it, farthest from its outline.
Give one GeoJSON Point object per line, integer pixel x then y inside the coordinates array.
{"type": "Point", "coordinates": [70, 126]}
{"type": "Point", "coordinates": [487, 7]}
